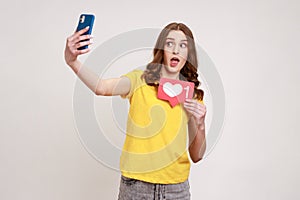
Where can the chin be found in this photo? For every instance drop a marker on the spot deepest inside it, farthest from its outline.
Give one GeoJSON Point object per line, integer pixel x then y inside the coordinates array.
{"type": "Point", "coordinates": [175, 69]}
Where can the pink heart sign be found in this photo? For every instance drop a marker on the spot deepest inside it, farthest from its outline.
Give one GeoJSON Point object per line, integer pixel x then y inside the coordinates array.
{"type": "Point", "coordinates": [175, 91]}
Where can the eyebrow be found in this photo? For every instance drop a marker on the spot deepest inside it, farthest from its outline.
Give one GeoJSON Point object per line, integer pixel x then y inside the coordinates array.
{"type": "Point", "coordinates": [174, 39]}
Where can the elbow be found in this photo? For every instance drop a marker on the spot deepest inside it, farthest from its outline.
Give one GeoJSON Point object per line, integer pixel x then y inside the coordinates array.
{"type": "Point", "coordinates": [99, 91]}
{"type": "Point", "coordinates": [197, 159]}
{"type": "Point", "coordinates": [196, 156]}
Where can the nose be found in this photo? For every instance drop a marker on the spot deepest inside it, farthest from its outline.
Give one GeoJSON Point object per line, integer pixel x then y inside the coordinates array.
{"type": "Point", "coordinates": [176, 49]}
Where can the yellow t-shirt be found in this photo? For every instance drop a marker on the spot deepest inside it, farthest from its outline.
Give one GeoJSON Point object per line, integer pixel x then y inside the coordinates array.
{"type": "Point", "coordinates": [155, 148]}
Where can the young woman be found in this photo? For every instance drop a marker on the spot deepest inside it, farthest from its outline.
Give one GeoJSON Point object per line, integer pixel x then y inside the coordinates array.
{"type": "Point", "coordinates": [154, 161]}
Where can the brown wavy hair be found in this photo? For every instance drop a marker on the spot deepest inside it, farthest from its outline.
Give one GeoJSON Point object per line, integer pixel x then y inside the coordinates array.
{"type": "Point", "coordinates": [152, 72]}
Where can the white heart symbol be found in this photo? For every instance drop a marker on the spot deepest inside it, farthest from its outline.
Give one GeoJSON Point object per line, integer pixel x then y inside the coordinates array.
{"type": "Point", "coordinates": [172, 90]}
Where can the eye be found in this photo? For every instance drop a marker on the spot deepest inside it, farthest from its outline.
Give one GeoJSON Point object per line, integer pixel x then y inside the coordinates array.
{"type": "Point", "coordinates": [183, 45]}
{"type": "Point", "coordinates": [169, 44]}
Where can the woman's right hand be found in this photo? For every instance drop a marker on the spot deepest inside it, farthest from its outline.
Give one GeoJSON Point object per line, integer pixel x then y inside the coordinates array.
{"type": "Point", "coordinates": [73, 43]}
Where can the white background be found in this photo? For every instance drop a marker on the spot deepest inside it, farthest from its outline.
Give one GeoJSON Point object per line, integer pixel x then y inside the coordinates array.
{"type": "Point", "coordinates": [254, 45]}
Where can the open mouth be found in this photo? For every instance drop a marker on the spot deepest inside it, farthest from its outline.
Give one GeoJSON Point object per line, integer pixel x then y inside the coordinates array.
{"type": "Point", "coordinates": [174, 61]}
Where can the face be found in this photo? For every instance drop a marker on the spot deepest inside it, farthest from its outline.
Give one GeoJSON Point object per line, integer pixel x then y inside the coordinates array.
{"type": "Point", "coordinates": [175, 54]}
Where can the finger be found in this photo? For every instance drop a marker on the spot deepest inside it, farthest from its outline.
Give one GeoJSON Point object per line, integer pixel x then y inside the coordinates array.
{"type": "Point", "coordinates": [189, 100]}
{"type": "Point", "coordinates": [70, 40]}
{"type": "Point", "coordinates": [197, 105]}
{"type": "Point", "coordinates": [193, 100]}
{"type": "Point", "coordinates": [194, 113]}
{"type": "Point", "coordinates": [190, 107]}
{"type": "Point", "coordinates": [85, 37]}
{"type": "Point", "coordinates": [80, 52]}
{"type": "Point", "coordinates": [84, 43]}
{"type": "Point", "coordinates": [76, 39]}
{"type": "Point", "coordinates": [70, 47]}
{"type": "Point", "coordinates": [197, 112]}
{"type": "Point", "coordinates": [197, 115]}
{"type": "Point", "coordinates": [82, 31]}
{"type": "Point", "coordinates": [192, 104]}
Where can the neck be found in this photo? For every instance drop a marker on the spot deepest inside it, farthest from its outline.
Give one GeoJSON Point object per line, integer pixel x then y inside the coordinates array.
{"type": "Point", "coordinates": [165, 74]}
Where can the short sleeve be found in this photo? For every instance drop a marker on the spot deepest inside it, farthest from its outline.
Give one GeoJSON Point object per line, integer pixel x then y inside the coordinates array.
{"type": "Point", "coordinates": [135, 81]}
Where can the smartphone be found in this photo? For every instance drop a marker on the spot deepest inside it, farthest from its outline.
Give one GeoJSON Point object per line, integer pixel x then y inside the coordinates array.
{"type": "Point", "coordinates": [84, 21]}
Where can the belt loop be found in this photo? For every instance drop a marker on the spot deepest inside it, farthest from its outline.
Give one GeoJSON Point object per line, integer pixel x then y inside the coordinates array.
{"type": "Point", "coordinates": [164, 191]}
{"type": "Point", "coordinates": [155, 189]}
{"type": "Point", "coordinates": [158, 191]}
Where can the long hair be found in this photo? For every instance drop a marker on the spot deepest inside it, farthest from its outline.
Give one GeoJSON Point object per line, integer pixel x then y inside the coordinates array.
{"type": "Point", "coordinates": [188, 72]}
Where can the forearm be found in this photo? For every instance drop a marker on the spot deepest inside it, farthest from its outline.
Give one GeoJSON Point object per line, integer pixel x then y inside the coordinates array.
{"type": "Point", "coordinates": [197, 144]}
{"type": "Point", "coordinates": [103, 87]}
{"type": "Point", "coordinates": [89, 78]}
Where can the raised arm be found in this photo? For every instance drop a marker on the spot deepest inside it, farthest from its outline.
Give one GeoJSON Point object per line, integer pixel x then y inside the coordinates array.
{"type": "Point", "coordinates": [106, 87]}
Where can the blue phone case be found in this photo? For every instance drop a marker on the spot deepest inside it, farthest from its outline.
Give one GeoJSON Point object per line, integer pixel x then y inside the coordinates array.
{"type": "Point", "coordinates": [84, 21]}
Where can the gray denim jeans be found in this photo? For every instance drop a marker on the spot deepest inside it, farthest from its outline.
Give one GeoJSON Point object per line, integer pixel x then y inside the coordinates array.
{"type": "Point", "coordinates": [132, 189]}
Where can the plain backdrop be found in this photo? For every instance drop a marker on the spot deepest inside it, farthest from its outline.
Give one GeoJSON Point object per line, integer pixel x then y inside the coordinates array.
{"type": "Point", "coordinates": [254, 45]}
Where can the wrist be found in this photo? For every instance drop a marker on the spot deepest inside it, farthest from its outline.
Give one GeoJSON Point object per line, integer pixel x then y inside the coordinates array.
{"type": "Point", "coordinates": [75, 65]}
{"type": "Point", "coordinates": [201, 124]}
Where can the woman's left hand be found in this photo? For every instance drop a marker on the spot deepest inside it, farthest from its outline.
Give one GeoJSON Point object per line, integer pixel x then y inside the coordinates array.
{"type": "Point", "coordinates": [196, 110]}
